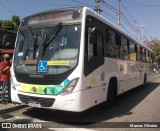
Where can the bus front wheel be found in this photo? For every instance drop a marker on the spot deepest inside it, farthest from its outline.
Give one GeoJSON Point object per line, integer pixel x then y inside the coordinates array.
{"type": "Point", "coordinates": [112, 92]}
{"type": "Point", "coordinates": [145, 81]}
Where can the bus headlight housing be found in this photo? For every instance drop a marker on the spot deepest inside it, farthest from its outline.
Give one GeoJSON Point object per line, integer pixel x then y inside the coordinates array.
{"type": "Point", "coordinates": [14, 83]}
{"type": "Point", "coordinates": [69, 88]}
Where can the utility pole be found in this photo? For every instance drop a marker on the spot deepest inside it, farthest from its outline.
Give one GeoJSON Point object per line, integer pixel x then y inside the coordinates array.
{"type": "Point", "coordinates": [119, 13]}
{"type": "Point", "coordinates": [98, 6]}
{"type": "Point", "coordinates": [143, 31]}
{"type": "Point", "coordinates": [142, 26]}
{"type": "Point", "coordinates": [135, 29]}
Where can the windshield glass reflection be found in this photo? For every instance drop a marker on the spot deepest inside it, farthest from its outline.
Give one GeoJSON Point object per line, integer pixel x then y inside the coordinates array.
{"type": "Point", "coordinates": [59, 47]}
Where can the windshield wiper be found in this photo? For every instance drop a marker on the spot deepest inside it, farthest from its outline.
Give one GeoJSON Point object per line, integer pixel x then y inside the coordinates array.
{"type": "Point", "coordinates": [31, 36]}
{"type": "Point", "coordinates": [51, 36]}
{"type": "Point", "coordinates": [21, 42]}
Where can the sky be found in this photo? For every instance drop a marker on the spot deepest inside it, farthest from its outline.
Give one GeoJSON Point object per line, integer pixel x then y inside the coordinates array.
{"type": "Point", "coordinates": [144, 12]}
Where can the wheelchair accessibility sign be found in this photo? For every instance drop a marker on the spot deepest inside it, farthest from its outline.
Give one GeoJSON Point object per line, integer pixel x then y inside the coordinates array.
{"type": "Point", "coordinates": [42, 66]}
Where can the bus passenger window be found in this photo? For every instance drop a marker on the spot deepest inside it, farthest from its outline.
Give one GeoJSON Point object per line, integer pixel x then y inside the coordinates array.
{"type": "Point", "coordinates": [94, 45]}
{"type": "Point", "coordinates": [90, 45]}
{"type": "Point", "coordinates": [139, 55]}
{"type": "Point", "coordinates": [99, 44]}
{"type": "Point", "coordinates": [120, 46]}
{"type": "Point", "coordinates": [143, 55]}
{"type": "Point", "coordinates": [150, 57]}
{"type": "Point", "coordinates": [147, 56]}
{"type": "Point", "coordinates": [95, 40]}
{"type": "Point", "coordinates": [124, 49]}
{"type": "Point", "coordinates": [112, 47]}
{"type": "Point", "coordinates": [132, 52]}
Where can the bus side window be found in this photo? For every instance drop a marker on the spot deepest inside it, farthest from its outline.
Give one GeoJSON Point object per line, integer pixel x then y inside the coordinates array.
{"type": "Point", "coordinates": [90, 44]}
{"type": "Point", "coordinates": [139, 56]}
{"type": "Point", "coordinates": [128, 47]}
{"type": "Point", "coordinates": [132, 51]}
{"type": "Point", "coordinates": [125, 48]}
{"type": "Point", "coordinates": [141, 52]}
{"type": "Point", "coordinates": [150, 57]}
{"type": "Point", "coordinates": [111, 49]}
{"type": "Point", "coordinates": [120, 46]}
{"type": "Point", "coordinates": [95, 41]}
{"type": "Point", "coordinates": [93, 45]}
{"type": "Point", "coordinates": [99, 44]}
{"type": "Point", "coordinates": [147, 56]}
{"type": "Point", "coordinates": [143, 55]}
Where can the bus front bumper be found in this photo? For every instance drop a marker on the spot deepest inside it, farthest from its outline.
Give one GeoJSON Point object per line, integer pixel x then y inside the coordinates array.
{"type": "Point", "coordinates": [70, 102]}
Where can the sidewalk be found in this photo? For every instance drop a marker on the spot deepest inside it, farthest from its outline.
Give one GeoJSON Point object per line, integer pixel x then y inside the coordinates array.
{"type": "Point", "coordinates": [6, 107]}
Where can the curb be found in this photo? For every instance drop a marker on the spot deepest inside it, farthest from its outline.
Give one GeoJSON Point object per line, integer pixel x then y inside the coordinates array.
{"type": "Point", "coordinates": [11, 109]}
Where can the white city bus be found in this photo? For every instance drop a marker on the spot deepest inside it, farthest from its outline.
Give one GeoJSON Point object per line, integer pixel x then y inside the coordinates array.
{"type": "Point", "coordinates": [73, 59]}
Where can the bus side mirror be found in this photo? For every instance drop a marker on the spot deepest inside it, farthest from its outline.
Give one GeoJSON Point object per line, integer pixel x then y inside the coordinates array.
{"type": "Point", "coordinates": [76, 14]}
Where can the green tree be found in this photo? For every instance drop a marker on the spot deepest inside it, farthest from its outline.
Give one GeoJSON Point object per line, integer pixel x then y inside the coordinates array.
{"type": "Point", "coordinates": [155, 47]}
{"type": "Point", "coordinates": [10, 25]}
{"type": "Point", "coordinates": [7, 25]}
{"type": "Point", "coordinates": [16, 22]}
{"type": "Point", "coordinates": [0, 24]}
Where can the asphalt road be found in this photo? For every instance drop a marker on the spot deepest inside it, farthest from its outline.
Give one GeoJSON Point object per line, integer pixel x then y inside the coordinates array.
{"type": "Point", "coordinates": [137, 105]}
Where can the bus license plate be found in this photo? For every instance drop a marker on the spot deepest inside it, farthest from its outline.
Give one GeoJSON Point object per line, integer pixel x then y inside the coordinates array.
{"type": "Point", "coordinates": [34, 104]}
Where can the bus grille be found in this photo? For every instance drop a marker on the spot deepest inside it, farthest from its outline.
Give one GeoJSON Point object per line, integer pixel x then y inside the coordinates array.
{"type": "Point", "coordinates": [45, 102]}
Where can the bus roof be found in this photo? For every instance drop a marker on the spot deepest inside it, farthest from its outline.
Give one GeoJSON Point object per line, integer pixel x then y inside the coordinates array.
{"type": "Point", "coordinates": [103, 19]}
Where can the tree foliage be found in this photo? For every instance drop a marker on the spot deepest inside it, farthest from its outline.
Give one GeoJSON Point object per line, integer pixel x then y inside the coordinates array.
{"type": "Point", "coordinates": [16, 22]}
{"type": "Point", "coordinates": [7, 25]}
{"type": "Point", "coordinates": [155, 47]}
{"type": "Point", "coordinates": [10, 25]}
{"type": "Point", "coordinates": [0, 24]}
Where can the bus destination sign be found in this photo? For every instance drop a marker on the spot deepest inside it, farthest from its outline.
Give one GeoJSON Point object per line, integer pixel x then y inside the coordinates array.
{"type": "Point", "coordinates": [48, 16]}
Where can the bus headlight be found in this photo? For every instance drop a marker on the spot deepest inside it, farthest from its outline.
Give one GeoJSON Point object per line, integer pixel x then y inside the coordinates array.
{"type": "Point", "coordinates": [13, 84]}
{"type": "Point", "coordinates": [69, 88]}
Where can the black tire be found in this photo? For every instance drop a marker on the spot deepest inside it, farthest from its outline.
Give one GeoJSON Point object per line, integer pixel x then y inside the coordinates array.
{"type": "Point", "coordinates": [112, 93]}
{"type": "Point", "coordinates": [145, 81]}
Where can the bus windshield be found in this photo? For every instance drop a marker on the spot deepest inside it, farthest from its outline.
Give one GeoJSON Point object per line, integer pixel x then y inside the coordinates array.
{"type": "Point", "coordinates": [58, 46]}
